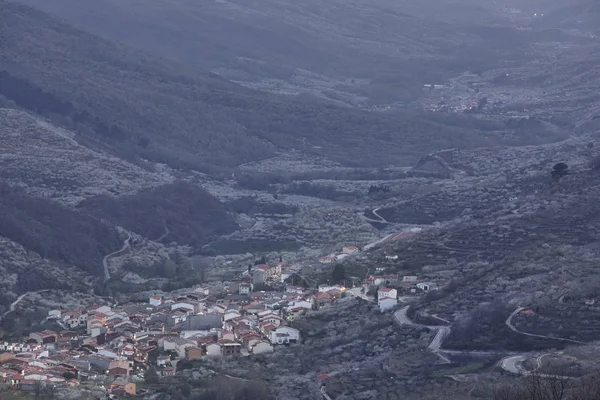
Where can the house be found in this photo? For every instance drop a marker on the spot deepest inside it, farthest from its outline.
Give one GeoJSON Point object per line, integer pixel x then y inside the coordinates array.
{"type": "Point", "coordinates": [387, 293]}
{"type": "Point", "coordinates": [163, 360]}
{"type": "Point", "coordinates": [74, 319]}
{"type": "Point", "coordinates": [193, 353]}
{"type": "Point", "coordinates": [54, 314]}
{"type": "Point", "coordinates": [272, 320]}
{"type": "Point", "coordinates": [121, 388]}
{"type": "Point", "coordinates": [386, 303]}
{"type": "Point", "coordinates": [262, 347]}
{"type": "Point", "coordinates": [231, 314]}
{"type": "Point", "coordinates": [590, 302]}
{"type": "Point", "coordinates": [382, 279]}
{"type": "Point", "coordinates": [259, 275]}
{"type": "Point", "coordinates": [187, 307]}
{"type": "Point", "coordinates": [284, 335]}
{"type": "Point", "coordinates": [427, 286]}
{"type": "Point", "coordinates": [350, 250]}
{"type": "Point", "coordinates": [250, 339]}
{"type": "Point", "coordinates": [230, 348]}
{"type": "Point", "coordinates": [213, 350]}
{"type": "Point", "coordinates": [203, 290]}
{"type": "Point", "coordinates": [155, 301]}
{"type": "Point", "coordinates": [327, 288]}
{"type": "Point", "coordinates": [295, 289]}
{"type": "Point", "coordinates": [99, 309]}
{"type": "Point", "coordinates": [327, 259]}
{"type": "Point", "coordinates": [44, 337]}
{"type": "Point", "coordinates": [245, 288]}
{"type": "Point", "coordinates": [393, 258]}
{"type": "Point", "coordinates": [322, 299]}
{"type": "Point", "coordinates": [410, 278]}
{"type": "Point", "coordinates": [4, 357]}
{"type": "Point", "coordinates": [118, 367]}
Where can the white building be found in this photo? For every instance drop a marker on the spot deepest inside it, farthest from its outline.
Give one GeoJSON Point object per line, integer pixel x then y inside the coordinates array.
{"type": "Point", "coordinates": [386, 303]}
{"type": "Point", "coordinates": [284, 335]}
{"type": "Point", "coordinates": [203, 290]}
{"type": "Point", "coordinates": [426, 286]}
{"type": "Point", "coordinates": [213, 350]}
{"type": "Point", "coordinates": [261, 348]}
{"type": "Point", "coordinates": [387, 293]}
{"type": "Point", "coordinates": [245, 288]}
{"type": "Point", "coordinates": [155, 301]}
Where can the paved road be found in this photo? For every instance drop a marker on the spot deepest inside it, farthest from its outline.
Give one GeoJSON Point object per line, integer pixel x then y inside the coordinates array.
{"type": "Point", "coordinates": [436, 344]}
{"type": "Point", "coordinates": [514, 329]}
{"type": "Point", "coordinates": [512, 364]}
{"type": "Point", "coordinates": [377, 242]}
{"type": "Point", "coordinates": [105, 259]}
{"type": "Point", "coordinates": [381, 219]}
{"type": "Point", "coordinates": [14, 304]}
{"type": "Point", "coordinates": [324, 393]}
{"type": "Point", "coordinates": [164, 235]}
{"type": "Point", "coordinates": [357, 293]}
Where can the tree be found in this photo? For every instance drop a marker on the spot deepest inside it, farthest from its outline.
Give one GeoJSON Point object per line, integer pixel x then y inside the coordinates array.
{"type": "Point", "coordinates": [168, 269]}
{"type": "Point", "coordinates": [559, 171]}
{"type": "Point", "coordinates": [69, 375]}
{"type": "Point", "coordinates": [338, 274]}
{"type": "Point", "coordinates": [151, 377]}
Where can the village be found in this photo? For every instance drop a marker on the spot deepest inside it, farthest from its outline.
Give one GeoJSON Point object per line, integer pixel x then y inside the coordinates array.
{"type": "Point", "coordinates": [115, 346]}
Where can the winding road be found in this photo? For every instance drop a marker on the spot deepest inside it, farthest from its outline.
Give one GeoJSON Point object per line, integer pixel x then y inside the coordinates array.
{"type": "Point", "coordinates": [14, 304]}
{"type": "Point", "coordinates": [514, 329]}
{"type": "Point", "coordinates": [380, 219]}
{"type": "Point", "coordinates": [436, 344]}
{"type": "Point", "coordinates": [108, 256]}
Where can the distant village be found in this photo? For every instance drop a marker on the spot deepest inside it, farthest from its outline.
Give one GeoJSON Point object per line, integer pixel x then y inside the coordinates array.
{"type": "Point", "coordinates": [115, 346]}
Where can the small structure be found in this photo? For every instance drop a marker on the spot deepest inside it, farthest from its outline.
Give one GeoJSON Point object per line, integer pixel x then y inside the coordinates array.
{"type": "Point", "coordinates": [387, 293]}
{"type": "Point", "coordinates": [245, 288]}
{"type": "Point", "coordinates": [386, 303]}
{"type": "Point", "coordinates": [122, 388]}
{"type": "Point", "coordinates": [284, 335]}
{"type": "Point", "coordinates": [427, 286]}
{"type": "Point", "coordinates": [350, 250]}
{"type": "Point", "coordinates": [155, 301]}
{"type": "Point", "coordinates": [44, 337]}
{"type": "Point", "coordinates": [262, 347]}
{"type": "Point", "coordinates": [193, 353]}
{"type": "Point", "coordinates": [118, 367]}
{"type": "Point", "coordinates": [259, 276]}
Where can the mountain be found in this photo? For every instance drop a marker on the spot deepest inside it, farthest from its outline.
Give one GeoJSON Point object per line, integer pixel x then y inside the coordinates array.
{"type": "Point", "coordinates": [135, 106]}
{"type": "Point", "coordinates": [354, 52]}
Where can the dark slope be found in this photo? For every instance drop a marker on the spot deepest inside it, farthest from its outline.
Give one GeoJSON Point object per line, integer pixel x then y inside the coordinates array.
{"type": "Point", "coordinates": [191, 215]}
{"type": "Point", "coordinates": [54, 231]}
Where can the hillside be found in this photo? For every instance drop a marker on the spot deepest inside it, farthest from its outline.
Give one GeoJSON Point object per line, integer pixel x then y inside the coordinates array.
{"type": "Point", "coordinates": [189, 214]}
{"type": "Point", "coordinates": [349, 51]}
{"type": "Point", "coordinates": [54, 231]}
{"type": "Point", "coordinates": [46, 161]}
{"type": "Point", "coordinates": [134, 105]}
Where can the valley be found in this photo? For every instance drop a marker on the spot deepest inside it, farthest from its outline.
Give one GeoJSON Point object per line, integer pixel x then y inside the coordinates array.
{"type": "Point", "coordinates": [406, 150]}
